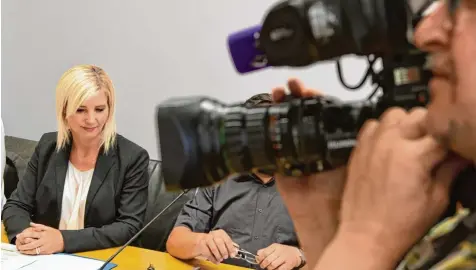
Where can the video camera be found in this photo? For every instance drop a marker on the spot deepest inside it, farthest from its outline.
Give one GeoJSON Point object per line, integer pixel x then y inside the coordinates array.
{"type": "Point", "coordinates": [203, 141]}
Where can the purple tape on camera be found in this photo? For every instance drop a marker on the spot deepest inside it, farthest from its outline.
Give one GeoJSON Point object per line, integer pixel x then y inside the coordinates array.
{"type": "Point", "coordinates": [243, 51]}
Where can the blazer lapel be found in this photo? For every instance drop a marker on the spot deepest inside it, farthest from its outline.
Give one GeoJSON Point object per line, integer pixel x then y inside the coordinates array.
{"type": "Point", "coordinates": [62, 159]}
{"type": "Point", "coordinates": [103, 165]}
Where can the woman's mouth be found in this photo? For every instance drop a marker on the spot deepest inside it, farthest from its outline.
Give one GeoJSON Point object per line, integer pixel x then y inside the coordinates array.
{"type": "Point", "coordinates": [89, 129]}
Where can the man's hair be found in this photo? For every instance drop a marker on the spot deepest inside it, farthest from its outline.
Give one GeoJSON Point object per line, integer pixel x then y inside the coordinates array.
{"type": "Point", "coordinates": [258, 99]}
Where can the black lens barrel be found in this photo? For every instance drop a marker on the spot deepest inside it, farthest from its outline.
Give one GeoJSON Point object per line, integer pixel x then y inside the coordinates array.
{"type": "Point", "coordinates": [297, 137]}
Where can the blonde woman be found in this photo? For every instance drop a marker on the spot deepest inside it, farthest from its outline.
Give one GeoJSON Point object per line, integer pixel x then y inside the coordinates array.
{"type": "Point", "coordinates": [85, 187]}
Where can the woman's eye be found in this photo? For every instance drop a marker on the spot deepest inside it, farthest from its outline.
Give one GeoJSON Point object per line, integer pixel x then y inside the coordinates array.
{"type": "Point", "coordinates": [99, 110]}
{"type": "Point", "coordinates": [80, 110]}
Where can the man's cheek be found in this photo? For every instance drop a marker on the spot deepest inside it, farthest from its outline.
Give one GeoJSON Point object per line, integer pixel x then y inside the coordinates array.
{"type": "Point", "coordinates": [437, 121]}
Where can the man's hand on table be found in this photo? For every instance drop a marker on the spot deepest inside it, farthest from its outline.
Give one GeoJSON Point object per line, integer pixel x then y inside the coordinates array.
{"type": "Point", "coordinates": [278, 256]}
{"type": "Point", "coordinates": [216, 246]}
{"type": "Point", "coordinates": [39, 240]}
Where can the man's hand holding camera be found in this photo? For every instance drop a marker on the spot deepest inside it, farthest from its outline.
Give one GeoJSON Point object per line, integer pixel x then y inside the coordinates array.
{"type": "Point", "coordinates": [396, 187]}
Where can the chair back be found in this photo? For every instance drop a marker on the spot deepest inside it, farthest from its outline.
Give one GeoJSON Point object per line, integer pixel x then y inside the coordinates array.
{"type": "Point", "coordinates": [155, 237]}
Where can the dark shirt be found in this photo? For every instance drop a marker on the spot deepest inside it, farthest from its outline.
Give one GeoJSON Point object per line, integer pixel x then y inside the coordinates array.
{"type": "Point", "coordinates": [250, 212]}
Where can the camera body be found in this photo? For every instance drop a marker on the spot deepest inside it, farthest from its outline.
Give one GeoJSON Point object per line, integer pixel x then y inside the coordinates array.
{"type": "Point", "coordinates": [404, 79]}
{"type": "Point", "coordinates": [203, 141]}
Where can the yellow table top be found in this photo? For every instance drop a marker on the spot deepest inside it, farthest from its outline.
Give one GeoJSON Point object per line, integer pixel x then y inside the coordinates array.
{"type": "Point", "coordinates": [132, 258]}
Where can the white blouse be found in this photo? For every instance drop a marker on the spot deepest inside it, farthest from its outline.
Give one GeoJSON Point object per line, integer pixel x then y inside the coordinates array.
{"type": "Point", "coordinates": [75, 192]}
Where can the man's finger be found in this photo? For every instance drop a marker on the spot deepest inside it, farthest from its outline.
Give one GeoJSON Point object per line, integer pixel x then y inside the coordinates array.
{"type": "Point", "coordinates": [276, 263]}
{"type": "Point", "coordinates": [264, 253]}
{"type": "Point", "coordinates": [392, 117]}
{"type": "Point", "coordinates": [231, 246]}
{"type": "Point", "coordinates": [228, 242]}
{"type": "Point", "coordinates": [260, 255]}
{"type": "Point", "coordinates": [364, 141]}
{"type": "Point", "coordinates": [267, 260]}
{"type": "Point", "coordinates": [298, 89]}
{"type": "Point", "coordinates": [414, 126]}
{"type": "Point", "coordinates": [366, 133]}
{"type": "Point", "coordinates": [429, 152]}
{"type": "Point", "coordinates": [285, 266]}
{"type": "Point", "coordinates": [278, 94]}
{"type": "Point", "coordinates": [210, 257]}
{"type": "Point", "coordinates": [220, 244]}
{"type": "Point", "coordinates": [206, 253]}
{"type": "Point", "coordinates": [213, 249]}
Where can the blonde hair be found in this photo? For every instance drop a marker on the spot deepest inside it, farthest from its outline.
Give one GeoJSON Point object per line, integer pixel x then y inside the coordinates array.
{"type": "Point", "coordinates": [74, 87]}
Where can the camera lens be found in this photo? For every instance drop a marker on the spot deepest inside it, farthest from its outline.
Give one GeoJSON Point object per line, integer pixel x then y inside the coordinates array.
{"type": "Point", "coordinates": [208, 141]}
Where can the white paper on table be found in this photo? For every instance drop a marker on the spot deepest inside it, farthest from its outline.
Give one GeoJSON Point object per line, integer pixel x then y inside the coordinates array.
{"type": "Point", "coordinates": [64, 261]}
{"type": "Point", "coordinates": [13, 260]}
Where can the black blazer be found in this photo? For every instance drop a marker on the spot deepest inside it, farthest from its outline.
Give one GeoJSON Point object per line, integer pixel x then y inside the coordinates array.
{"type": "Point", "coordinates": [115, 204]}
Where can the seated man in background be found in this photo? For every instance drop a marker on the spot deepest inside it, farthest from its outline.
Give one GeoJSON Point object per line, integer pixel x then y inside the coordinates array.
{"type": "Point", "coordinates": [243, 212]}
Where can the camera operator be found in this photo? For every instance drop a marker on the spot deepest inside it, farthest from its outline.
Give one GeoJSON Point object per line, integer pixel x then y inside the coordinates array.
{"type": "Point", "coordinates": [396, 185]}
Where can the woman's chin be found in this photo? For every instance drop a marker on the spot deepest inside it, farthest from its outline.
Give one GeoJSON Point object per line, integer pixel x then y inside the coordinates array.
{"type": "Point", "coordinates": [88, 136]}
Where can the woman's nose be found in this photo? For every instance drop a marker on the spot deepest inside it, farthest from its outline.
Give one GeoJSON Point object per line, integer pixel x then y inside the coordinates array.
{"type": "Point", "coordinates": [90, 118]}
